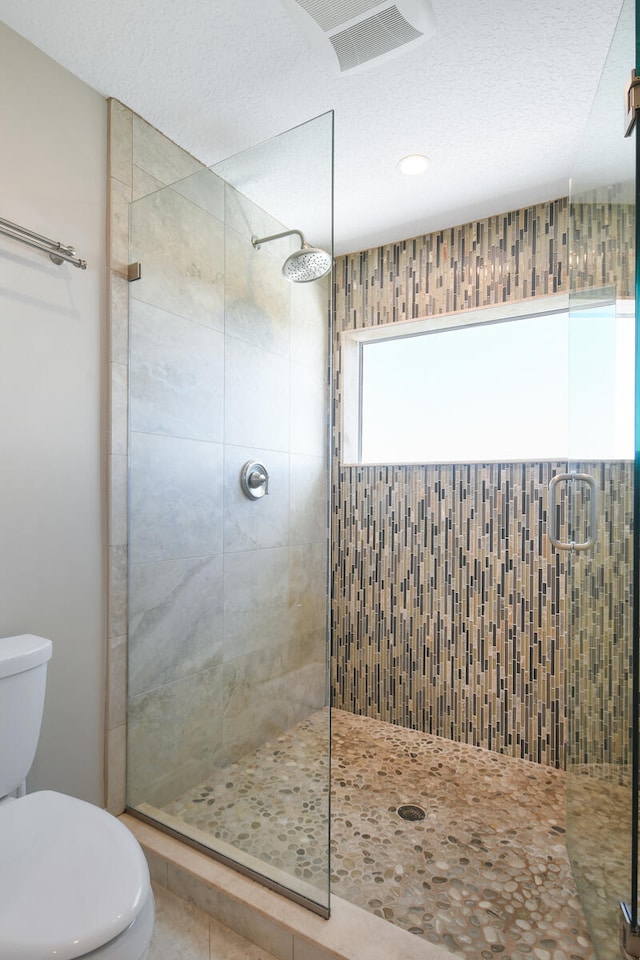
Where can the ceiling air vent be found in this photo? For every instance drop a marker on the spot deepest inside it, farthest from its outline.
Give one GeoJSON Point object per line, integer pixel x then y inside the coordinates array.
{"type": "Point", "coordinates": [348, 34]}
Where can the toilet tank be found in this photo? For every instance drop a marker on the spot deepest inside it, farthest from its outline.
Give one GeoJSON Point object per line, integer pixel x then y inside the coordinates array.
{"type": "Point", "coordinates": [23, 675]}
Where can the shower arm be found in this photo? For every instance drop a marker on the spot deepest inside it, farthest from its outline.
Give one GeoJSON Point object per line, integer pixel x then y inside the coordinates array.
{"type": "Point", "coordinates": [278, 236]}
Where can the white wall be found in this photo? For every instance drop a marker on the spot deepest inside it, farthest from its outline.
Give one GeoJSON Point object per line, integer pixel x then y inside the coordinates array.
{"type": "Point", "coordinates": [53, 180]}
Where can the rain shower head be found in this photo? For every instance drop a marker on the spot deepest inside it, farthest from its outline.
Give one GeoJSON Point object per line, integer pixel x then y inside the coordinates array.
{"type": "Point", "coordinates": [304, 265]}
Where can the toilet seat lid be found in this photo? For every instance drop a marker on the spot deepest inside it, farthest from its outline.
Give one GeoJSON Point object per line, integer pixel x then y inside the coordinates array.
{"type": "Point", "coordinates": [72, 877]}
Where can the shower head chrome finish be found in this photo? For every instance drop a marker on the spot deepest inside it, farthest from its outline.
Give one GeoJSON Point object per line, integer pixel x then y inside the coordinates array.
{"type": "Point", "coordinates": [304, 265]}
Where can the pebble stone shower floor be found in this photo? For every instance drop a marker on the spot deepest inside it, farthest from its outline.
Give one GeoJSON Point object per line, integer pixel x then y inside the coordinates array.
{"type": "Point", "coordinates": [485, 873]}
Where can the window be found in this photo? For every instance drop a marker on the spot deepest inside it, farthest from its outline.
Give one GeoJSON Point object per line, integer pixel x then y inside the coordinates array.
{"type": "Point", "coordinates": [501, 384]}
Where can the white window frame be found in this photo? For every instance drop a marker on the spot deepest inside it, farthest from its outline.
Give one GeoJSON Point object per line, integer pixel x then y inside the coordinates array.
{"type": "Point", "coordinates": [352, 341]}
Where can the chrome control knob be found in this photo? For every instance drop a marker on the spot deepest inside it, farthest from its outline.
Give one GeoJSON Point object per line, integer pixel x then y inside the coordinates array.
{"type": "Point", "coordinates": [254, 480]}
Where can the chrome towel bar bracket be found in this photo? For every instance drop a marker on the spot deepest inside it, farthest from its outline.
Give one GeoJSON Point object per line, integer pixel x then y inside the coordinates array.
{"type": "Point", "coordinates": [58, 252]}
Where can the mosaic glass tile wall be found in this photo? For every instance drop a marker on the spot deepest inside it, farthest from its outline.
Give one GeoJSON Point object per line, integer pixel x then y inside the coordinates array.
{"type": "Point", "coordinates": [509, 257]}
{"type": "Point", "coordinates": [600, 667]}
{"type": "Point", "coordinates": [449, 604]}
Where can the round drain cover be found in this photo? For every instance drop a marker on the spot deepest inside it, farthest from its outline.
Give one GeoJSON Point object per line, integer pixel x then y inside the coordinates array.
{"type": "Point", "coordinates": [409, 811]}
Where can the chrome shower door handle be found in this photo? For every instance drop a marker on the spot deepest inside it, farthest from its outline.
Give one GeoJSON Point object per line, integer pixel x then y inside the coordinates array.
{"type": "Point", "coordinates": [573, 478]}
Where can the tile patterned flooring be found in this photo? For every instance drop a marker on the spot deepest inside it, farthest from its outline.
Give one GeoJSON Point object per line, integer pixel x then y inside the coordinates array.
{"type": "Point", "coordinates": [182, 932]}
{"type": "Point", "coordinates": [485, 873]}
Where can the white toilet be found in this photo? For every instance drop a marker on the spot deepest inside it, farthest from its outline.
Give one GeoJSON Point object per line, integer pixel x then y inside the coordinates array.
{"type": "Point", "coordinates": [74, 882]}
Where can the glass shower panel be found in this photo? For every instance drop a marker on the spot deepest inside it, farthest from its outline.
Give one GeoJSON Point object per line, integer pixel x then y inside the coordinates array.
{"type": "Point", "coordinates": [228, 718]}
{"type": "Point", "coordinates": [601, 502]}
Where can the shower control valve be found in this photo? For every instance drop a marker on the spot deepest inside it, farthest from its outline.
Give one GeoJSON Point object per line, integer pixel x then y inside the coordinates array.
{"type": "Point", "coordinates": [254, 480]}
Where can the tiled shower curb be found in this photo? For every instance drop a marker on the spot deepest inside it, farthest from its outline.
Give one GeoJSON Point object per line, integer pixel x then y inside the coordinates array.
{"type": "Point", "coordinates": [277, 925]}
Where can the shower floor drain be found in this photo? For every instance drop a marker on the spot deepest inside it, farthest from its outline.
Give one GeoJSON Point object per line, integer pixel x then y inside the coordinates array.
{"type": "Point", "coordinates": [410, 811]}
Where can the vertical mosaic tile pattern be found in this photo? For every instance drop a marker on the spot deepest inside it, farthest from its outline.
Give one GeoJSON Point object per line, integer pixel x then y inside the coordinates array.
{"type": "Point", "coordinates": [450, 608]}
{"type": "Point", "coordinates": [602, 242]}
{"type": "Point", "coordinates": [600, 585]}
{"type": "Point", "coordinates": [509, 257]}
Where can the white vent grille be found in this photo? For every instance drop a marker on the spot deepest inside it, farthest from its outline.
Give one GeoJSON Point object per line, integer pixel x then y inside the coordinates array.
{"type": "Point", "coordinates": [347, 35]}
{"type": "Point", "coordinates": [329, 14]}
{"type": "Point", "coordinates": [373, 37]}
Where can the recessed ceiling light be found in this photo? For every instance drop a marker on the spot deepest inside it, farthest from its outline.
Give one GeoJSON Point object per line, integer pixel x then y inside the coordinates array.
{"type": "Point", "coordinates": [413, 164]}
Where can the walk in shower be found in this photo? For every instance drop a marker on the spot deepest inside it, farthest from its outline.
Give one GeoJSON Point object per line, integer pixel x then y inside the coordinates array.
{"type": "Point", "coordinates": [228, 518]}
{"type": "Point", "coordinates": [481, 613]}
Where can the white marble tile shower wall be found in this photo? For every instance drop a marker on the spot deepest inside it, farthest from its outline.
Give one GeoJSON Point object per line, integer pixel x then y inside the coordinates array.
{"type": "Point", "coordinates": [227, 596]}
{"type": "Point", "coordinates": [177, 375]}
{"type": "Point", "coordinates": [170, 646]}
{"type": "Point", "coordinates": [176, 487]}
{"type": "Point", "coordinates": [273, 674]}
{"type": "Point", "coordinates": [175, 736]}
{"type": "Point", "coordinates": [158, 159]}
{"type": "Point", "coordinates": [257, 389]}
{"type": "Point", "coordinates": [182, 248]}
{"type": "Point", "coordinates": [257, 302]}
{"type": "Point", "coordinates": [141, 160]}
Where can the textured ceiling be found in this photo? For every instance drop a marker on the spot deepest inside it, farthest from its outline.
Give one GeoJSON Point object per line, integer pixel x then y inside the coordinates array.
{"type": "Point", "coordinates": [498, 100]}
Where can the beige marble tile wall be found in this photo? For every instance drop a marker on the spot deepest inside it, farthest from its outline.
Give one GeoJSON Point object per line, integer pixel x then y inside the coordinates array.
{"type": "Point", "coordinates": [449, 610]}
{"type": "Point", "coordinates": [275, 553]}
{"type": "Point", "coordinates": [176, 453]}
{"type": "Point", "coordinates": [140, 160]}
{"type": "Point", "coordinates": [227, 603]}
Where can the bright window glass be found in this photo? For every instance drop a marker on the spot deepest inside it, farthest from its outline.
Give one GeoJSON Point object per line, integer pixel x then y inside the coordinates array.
{"type": "Point", "coordinates": [533, 388]}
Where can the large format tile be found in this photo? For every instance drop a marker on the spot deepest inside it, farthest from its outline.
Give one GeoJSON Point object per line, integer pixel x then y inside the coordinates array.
{"type": "Point", "coordinates": [261, 523]}
{"type": "Point", "coordinates": [174, 737]}
{"type": "Point", "coordinates": [257, 297]}
{"type": "Point", "coordinates": [176, 375]}
{"type": "Point", "coordinates": [309, 411]}
{"type": "Point", "coordinates": [205, 189]}
{"type": "Point", "coordinates": [311, 648]}
{"type": "Point", "coordinates": [159, 156]}
{"type": "Point", "coordinates": [176, 498]}
{"type": "Point", "coordinates": [175, 620]}
{"type": "Point", "coordinates": [181, 249]}
{"type": "Point", "coordinates": [304, 687]}
{"type": "Point", "coordinates": [181, 931]}
{"type": "Point", "coordinates": [257, 397]}
{"type": "Point", "coordinates": [263, 933]}
{"type": "Point", "coordinates": [144, 183]}
{"type": "Point", "coordinates": [309, 518]}
{"type": "Point", "coordinates": [308, 587]}
{"type": "Point", "coordinates": [226, 944]}
{"type": "Point", "coordinates": [256, 601]}
{"type": "Point", "coordinates": [255, 708]}
{"type": "Point", "coordinates": [249, 220]}
{"type": "Point", "coordinates": [310, 324]}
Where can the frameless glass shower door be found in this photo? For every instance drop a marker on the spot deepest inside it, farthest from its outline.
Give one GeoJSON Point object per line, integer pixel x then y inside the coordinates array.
{"type": "Point", "coordinates": [600, 508]}
{"type": "Point", "coordinates": [228, 720]}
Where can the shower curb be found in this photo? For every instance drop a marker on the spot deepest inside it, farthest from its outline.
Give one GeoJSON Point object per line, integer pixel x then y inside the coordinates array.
{"type": "Point", "coordinates": [269, 920]}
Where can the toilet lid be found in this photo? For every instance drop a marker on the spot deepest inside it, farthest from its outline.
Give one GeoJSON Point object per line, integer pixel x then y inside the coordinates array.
{"type": "Point", "coordinates": [72, 877]}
